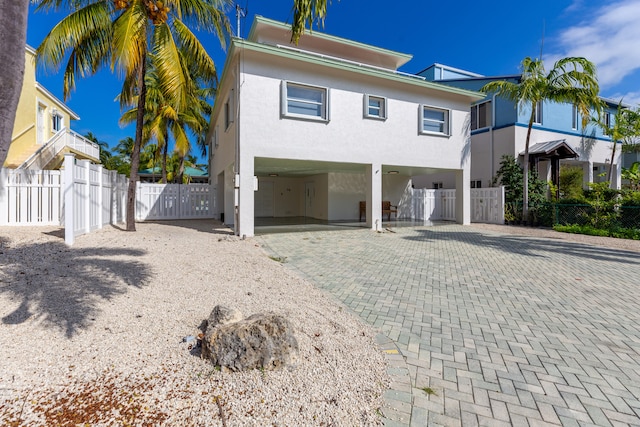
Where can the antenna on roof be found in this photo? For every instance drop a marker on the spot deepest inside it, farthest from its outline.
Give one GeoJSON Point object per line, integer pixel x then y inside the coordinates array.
{"type": "Point", "coordinates": [542, 41]}
{"type": "Point", "coordinates": [240, 13]}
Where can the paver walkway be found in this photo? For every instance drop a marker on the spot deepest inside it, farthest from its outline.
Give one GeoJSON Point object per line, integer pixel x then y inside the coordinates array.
{"type": "Point", "coordinates": [505, 330]}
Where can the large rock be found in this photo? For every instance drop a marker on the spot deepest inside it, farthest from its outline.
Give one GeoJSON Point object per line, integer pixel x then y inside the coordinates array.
{"type": "Point", "coordinates": [223, 315]}
{"type": "Point", "coordinates": [263, 341]}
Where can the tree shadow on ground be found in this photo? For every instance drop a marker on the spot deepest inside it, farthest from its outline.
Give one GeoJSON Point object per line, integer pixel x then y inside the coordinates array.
{"type": "Point", "coordinates": [529, 246]}
{"type": "Point", "coordinates": [64, 287]}
{"type": "Point", "coordinates": [202, 225]}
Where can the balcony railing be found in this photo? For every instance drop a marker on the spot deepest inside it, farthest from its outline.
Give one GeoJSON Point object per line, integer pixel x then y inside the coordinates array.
{"type": "Point", "coordinates": [64, 138]}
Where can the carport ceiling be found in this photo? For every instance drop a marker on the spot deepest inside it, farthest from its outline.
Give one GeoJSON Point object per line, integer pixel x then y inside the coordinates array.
{"type": "Point", "coordinates": [296, 168]}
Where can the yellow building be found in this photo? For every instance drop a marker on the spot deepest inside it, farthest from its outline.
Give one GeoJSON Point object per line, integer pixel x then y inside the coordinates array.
{"type": "Point", "coordinates": [41, 133]}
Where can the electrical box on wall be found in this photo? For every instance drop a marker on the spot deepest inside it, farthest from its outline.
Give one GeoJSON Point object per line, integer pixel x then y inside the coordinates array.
{"type": "Point", "coordinates": [255, 183]}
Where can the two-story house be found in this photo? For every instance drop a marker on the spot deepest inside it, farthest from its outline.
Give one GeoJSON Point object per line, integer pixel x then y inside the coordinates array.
{"type": "Point", "coordinates": [41, 132]}
{"type": "Point", "coordinates": [499, 127]}
{"type": "Point", "coordinates": [312, 130]}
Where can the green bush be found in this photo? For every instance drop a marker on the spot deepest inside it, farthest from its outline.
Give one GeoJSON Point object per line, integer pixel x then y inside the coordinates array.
{"type": "Point", "coordinates": [570, 180]}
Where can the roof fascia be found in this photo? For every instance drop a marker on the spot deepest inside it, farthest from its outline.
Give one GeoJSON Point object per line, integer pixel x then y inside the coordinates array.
{"type": "Point", "coordinates": [68, 110]}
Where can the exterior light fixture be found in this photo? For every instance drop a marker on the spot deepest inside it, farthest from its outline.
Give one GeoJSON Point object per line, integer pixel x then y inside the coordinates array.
{"type": "Point", "coordinates": [273, 174]}
{"type": "Point", "coordinates": [393, 172]}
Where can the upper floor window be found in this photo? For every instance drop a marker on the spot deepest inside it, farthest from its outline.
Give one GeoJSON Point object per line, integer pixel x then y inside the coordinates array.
{"type": "Point", "coordinates": [574, 117]}
{"type": "Point", "coordinates": [537, 118]}
{"type": "Point", "coordinates": [481, 115]}
{"type": "Point", "coordinates": [56, 121]}
{"type": "Point", "coordinates": [375, 107]}
{"type": "Point", "coordinates": [228, 111]}
{"type": "Point", "coordinates": [434, 120]}
{"type": "Point", "coordinates": [309, 102]}
{"type": "Point", "coordinates": [607, 119]}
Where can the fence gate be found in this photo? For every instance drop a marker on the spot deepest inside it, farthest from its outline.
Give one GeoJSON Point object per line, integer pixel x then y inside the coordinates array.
{"type": "Point", "coordinates": [487, 205]}
{"type": "Point", "coordinates": [174, 201]}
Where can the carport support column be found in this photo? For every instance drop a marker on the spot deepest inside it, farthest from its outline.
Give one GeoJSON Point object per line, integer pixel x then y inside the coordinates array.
{"type": "Point", "coordinates": [373, 174]}
{"type": "Point", "coordinates": [245, 226]}
{"type": "Point", "coordinates": [463, 197]}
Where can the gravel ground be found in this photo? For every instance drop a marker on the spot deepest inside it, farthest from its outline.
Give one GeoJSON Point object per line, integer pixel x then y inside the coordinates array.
{"type": "Point", "coordinates": [92, 334]}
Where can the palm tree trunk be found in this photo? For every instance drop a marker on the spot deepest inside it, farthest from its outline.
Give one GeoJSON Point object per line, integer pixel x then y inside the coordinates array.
{"type": "Point", "coordinates": [181, 170]}
{"type": "Point", "coordinates": [525, 165]}
{"type": "Point", "coordinates": [13, 33]}
{"type": "Point", "coordinates": [135, 155]}
{"type": "Point", "coordinates": [164, 162]}
{"type": "Point", "coordinates": [613, 155]}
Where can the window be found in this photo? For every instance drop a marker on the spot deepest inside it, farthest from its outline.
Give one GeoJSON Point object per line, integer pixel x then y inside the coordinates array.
{"type": "Point", "coordinates": [537, 119]}
{"type": "Point", "coordinates": [375, 107]}
{"type": "Point", "coordinates": [304, 101]}
{"type": "Point", "coordinates": [574, 117]}
{"type": "Point", "coordinates": [481, 115]}
{"type": "Point", "coordinates": [228, 111]}
{"type": "Point", "coordinates": [434, 120]}
{"type": "Point", "coordinates": [56, 121]}
{"type": "Point", "coordinates": [476, 183]}
{"type": "Point", "coordinates": [607, 119]}
{"type": "Point", "coordinates": [436, 185]}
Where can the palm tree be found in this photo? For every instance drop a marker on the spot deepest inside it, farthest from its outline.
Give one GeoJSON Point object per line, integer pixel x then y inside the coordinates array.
{"type": "Point", "coordinates": [105, 152]}
{"type": "Point", "coordinates": [124, 34]}
{"type": "Point", "coordinates": [633, 175]}
{"type": "Point", "coordinates": [571, 80]}
{"type": "Point", "coordinates": [306, 11]}
{"type": "Point", "coordinates": [13, 33]}
{"type": "Point", "coordinates": [625, 129]}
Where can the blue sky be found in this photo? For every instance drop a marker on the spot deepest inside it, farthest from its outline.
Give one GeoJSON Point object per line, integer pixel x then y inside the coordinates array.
{"type": "Point", "coordinates": [462, 34]}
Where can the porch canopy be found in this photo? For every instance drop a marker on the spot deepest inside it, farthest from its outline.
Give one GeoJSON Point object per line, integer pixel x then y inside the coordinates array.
{"type": "Point", "coordinates": [552, 151]}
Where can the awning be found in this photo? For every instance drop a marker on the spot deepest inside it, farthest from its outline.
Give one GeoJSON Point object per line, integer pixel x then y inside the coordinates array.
{"type": "Point", "coordinates": [558, 149]}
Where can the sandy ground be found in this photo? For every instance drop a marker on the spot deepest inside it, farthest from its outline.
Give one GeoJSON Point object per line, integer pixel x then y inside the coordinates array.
{"type": "Point", "coordinates": [93, 333]}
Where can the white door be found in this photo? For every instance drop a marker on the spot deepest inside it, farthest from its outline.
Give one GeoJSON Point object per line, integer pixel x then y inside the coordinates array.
{"type": "Point", "coordinates": [40, 124]}
{"type": "Point", "coordinates": [263, 200]}
{"type": "Point", "coordinates": [309, 195]}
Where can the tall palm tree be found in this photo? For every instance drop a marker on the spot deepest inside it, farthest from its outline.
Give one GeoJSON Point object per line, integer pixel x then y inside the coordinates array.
{"type": "Point", "coordinates": [306, 11]}
{"type": "Point", "coordinates": [105, 152]}
{"type": "Point", "coordinates": [13, 33]}
{"type": "Point", "coordinates": [571, 80]}
{"type": "Point", "coordinates": [124, 34]}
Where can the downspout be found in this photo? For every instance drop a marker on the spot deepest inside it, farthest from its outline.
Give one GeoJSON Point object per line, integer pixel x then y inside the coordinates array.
{"type": "Point", "coordinates": [493, 125]}
{"type": "Point", "coordinates": [236, 166]}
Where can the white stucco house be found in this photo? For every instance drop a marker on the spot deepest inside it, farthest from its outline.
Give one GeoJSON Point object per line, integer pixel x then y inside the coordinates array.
{"type": "Point", "coordinates": [310, 130]}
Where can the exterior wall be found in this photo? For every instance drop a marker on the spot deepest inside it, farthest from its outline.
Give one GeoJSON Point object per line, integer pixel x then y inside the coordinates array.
{"type": "Point", "coordinates": [24, 140]}
{"type": "Point", "coordinates": [345, 193]}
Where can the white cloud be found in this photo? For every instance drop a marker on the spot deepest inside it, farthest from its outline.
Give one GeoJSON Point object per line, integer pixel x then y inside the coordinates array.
{"type": "Point", "coordinates": [629, 98]}
{"type": "Point", "coordinates": [610, 38]}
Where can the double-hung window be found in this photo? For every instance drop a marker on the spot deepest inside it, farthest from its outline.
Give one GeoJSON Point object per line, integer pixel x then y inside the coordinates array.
{"type": "Point", "coordinates": [481, 115]}
{"type": "Point", "coordinates": [228, 111]}
{"type": "Point", "coordinates": [537, 118]}
{"type": "Point", "coordinates": [574, 117]}
{"type": "Point", "coordinates": [56, 122]}
{"type": "Point", "coordinates": [434, 120]}
{"type": "Point", "coordinates": [375, 107]}
{"type": "Point", "coordinates": [303, 101]}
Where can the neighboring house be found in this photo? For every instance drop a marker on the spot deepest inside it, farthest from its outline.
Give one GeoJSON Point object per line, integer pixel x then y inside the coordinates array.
{"type": "Point", "coordinates": [41, 133]}
{"type": "Point", "coordinates": [311, 130]}
{"type": "Point", "coordinates": [193, 175]}
{"type": "Point", "coordinates": [499, 128]}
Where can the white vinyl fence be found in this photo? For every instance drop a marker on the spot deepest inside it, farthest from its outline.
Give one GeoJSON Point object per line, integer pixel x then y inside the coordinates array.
{"type": "Point", "coordinates": [487, 205]}
{"type": "Point", "coordinates": [83, 197]}
{"type": "Point", "coordinates": [174, 201]}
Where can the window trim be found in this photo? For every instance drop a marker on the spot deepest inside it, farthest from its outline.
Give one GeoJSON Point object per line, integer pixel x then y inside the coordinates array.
{"type": "Point", "coordinates": [228, 111]}
{"type": "Point", "coordinates": [284, 102]}
{"type": "Point", "coordinates": [489, 106]}
{"type": "Point", "coordinates": [574, 117]}
{"type": "Point", "coordinates": [538, 117]}
{"type": "Point", "coordinates": [383, 107]}
{"type": "Point", "coordinates": [447, 120]}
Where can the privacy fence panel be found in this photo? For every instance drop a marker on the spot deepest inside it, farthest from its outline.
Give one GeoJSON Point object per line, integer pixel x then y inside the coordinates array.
{"type": "Point", "coordinates": [487, 205]}
{"type": "Point", "coordinates": [29, 197]}
{"type": "Point", "coordinates": [174, 201]}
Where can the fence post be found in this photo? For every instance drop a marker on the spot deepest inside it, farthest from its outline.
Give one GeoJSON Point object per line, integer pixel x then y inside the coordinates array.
{"type": "Point", "coordinates": [4, 198]}
{"type": "Point", "coordinates": [69, 164]}
{"type": "Point", "coordinates": [85, 165]}
{"type": "Point", "coordinates": [100, 196]}
{"type": "Point", "coordinates": [501, 203]}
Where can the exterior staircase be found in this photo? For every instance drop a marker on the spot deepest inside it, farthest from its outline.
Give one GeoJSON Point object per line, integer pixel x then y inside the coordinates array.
{"type": "Point", "coordinates": [49, 156]}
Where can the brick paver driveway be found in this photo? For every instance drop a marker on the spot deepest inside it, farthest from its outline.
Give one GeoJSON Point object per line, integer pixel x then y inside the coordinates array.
{"type": "Point", "coordinates": [505, 330]}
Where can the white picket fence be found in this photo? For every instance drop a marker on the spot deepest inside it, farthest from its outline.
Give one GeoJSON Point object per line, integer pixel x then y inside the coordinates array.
{"type": "Point", "coordinates": [487, 205]}
{"type": "Point", "coordinates": [174, 201]}
{"type": "Point", "coordinates": [30, 197]}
